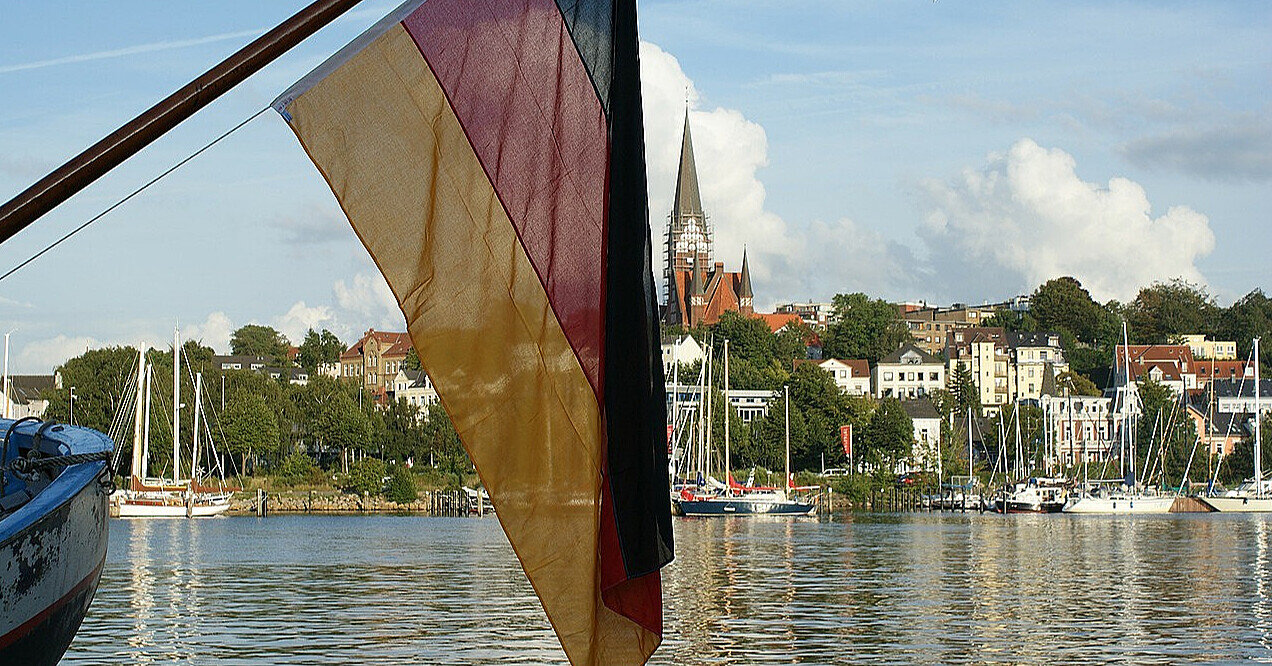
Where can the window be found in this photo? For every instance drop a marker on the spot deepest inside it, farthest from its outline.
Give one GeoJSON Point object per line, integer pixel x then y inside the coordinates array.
{"type": "Point", "coordinates": [887, 376]}
{"type": "Point", "coordinates": [934, 376]}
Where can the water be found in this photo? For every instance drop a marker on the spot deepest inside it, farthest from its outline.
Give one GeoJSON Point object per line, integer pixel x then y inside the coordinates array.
{"type": "Point", "coordinates": [918, 588]}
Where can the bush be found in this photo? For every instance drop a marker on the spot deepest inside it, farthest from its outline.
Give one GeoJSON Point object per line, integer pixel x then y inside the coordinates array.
{"type": "Point", "coordinates": [297, 469]}
{"type": "Point", "coordinates": [366, 477]}
{"type": "Point", "coordinates": [401, 487]}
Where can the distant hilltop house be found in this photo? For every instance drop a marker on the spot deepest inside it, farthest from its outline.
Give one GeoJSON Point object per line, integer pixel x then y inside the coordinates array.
{"type": "Point", "coordinates": [24, 395]}
{"type": "Point", "coordinates": [684, 350]}
{"type": "Point", "coordinates": [374, 360]}
{"type": "Point", "coordinates": [852, 376]}
{"type": "Point", "coordinates": [263, 365]}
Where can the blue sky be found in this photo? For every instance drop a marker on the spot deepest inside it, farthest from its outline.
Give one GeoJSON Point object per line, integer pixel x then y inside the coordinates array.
{"type": "Point", "coordinates": [947, 151]}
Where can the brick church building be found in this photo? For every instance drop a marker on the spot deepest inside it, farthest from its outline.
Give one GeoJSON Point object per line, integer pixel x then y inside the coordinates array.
{"type": "Point", "coordinates": [697, 288]}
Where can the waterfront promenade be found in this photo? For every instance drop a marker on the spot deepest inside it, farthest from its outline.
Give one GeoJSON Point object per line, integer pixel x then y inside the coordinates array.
{"type": "Point", "coordinates": [877, 588]}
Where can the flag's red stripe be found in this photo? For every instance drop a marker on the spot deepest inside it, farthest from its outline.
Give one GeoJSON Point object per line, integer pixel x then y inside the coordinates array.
{"type": "Point", "coordinates": [521, 92]}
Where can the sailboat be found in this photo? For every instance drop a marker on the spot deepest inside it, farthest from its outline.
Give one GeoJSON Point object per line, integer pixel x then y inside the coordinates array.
{"type": "Point", "coordinates": [1255, 495]}
{"type": "Point", "coordinates": [155, 497]}
{"type": "Point", "coordinates": [738, 500]}
{"type": "Point", "coordinates": [1129, 497]}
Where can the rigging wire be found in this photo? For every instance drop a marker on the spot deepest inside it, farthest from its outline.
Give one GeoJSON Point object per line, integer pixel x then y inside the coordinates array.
{"type": "Point", "coordinates": [132, 194]}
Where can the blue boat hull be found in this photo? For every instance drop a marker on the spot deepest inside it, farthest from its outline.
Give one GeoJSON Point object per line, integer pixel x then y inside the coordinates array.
{"type": "Point", "coordinates": [51, 554]}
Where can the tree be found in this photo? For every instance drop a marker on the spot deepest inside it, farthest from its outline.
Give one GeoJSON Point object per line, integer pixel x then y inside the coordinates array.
{"type": "Point", "coordinates": [1165, 436]}
{"type": "Point", "coordinates": [366, 477]}
{"type": "Point", "coordinates": [318, 348]}
{"type": "Point", "coordinates": [1249, 318]}
{"type": "Point", "coordinates": [1167, 309]}
{"type": "Point", "coordinates": [963, 387]}
{"type": "Point", "coordinates": [412, 361]}
{"type": "Point", "coordinates": [250, 427]}
{"type": "Point", "coordinates": [889, 436]}
{"type": "Point", "coordinates": [101, 378]}
{"type": "Point", "coordinates": [1077, 384]}
{"type": "Point", "coordinates": [401, 488]}
{"type": "Point", "coordinates": [258, 340]}
{"type": "Point", "coordinates": [863, 328]}
{"type": "Point", "coordinates": [1062, 304]}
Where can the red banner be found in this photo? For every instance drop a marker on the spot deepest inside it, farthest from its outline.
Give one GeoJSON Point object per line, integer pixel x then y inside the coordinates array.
{"type": "Point", "coordinates": [845, 438]}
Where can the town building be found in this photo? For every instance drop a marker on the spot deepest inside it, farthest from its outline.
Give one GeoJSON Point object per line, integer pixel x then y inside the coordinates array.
{"type": "Point", "coordinates": [985, 352]}
{"type": "Point", "coordinates": [1210, 370]}
{"type": "Point", "coordinates": [374, 360]}
{"type": "Point", "coordinates": [1203, 349]}
{"type": "Point", "coordinates": [683, 349]}
{"type": "Point", "coordinates": [1172, 366]}
{"type": "Point", "coordinates": [926, 453]}
{"type": "Point", "coordinates": [748, 404]}
{"type": "Point", "coordinates": [1081, 428]}
{"type": "Point", "coordinates": [241, 362]}
{"type": "Point", "coordinates": [24, 395]}
{"type": "Point", "coordinates": [1037, 359]}
{"type": "Point", "coordinates": [1237, 397]}
{"type": "Point", "coordinates": [1219, 433]}
{"type": "Point", "coordinates": [415, 388]}
{"type": "Point", "coordinates": [813, 314]}
{"type": "Point", "coordinates": [852, 376]}
{"type": "Point", "coordinates": [909, 372]}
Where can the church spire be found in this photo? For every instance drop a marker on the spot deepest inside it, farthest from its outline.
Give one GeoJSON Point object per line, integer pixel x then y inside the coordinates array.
{"type": "Point", "coordinates": [745, 290]}
{"type": "Point", "coordinates": [688, 201]}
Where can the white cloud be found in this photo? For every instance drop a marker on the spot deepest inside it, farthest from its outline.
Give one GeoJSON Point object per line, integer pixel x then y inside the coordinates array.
{"type": "Point", "coordinates": [214, 332]}
{"type": "Point", "coordinates": [370, 302]}
{"type": "Point", "coordinates": [300, 318]}
{"type": "Point", "coordinates": [1027, 217]}
{"type": "Point", "coordinates": [806, 259]}
{"type": "Point", "coordinates": [43, 356]}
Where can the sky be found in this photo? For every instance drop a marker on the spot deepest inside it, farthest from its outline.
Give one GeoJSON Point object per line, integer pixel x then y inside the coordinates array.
{"type": "Point", "coordinates": [944, 151]}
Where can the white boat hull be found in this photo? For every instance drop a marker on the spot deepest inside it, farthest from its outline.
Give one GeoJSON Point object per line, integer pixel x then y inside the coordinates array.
{"type": "Point", "coordinates": [1119, 505]}
{"type": "Point", "coordinates": [1240, 504]}
{"type": "Point", "coordinates": [126, 504]}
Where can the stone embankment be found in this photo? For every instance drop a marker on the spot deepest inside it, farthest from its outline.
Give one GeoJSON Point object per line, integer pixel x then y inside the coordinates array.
{"type": "Point", "coordinates": [432, 502]}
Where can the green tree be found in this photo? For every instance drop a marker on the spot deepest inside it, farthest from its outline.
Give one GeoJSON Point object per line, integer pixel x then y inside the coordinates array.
{"type": "Point", "coordinates": [1063, 305]}
{"type": "Point", "coordinates": [298, 468]}
{"type": "Point", "coordinates": [258, 340]}
{"type": "Point", "coordinates": [250, 427]}
{"type": "Point", "coordinates": [101, 378]}
{"type": "Point", "coordinates": [401, 488]}
{"type": "Point", "coordinates": [412, 361]}
{"type": "Point", "coordinates": [963, 387]}
{"type": "Point", "coordinates": [1167, 309]}
{"type": "Point", "coordinates": [366, 477]}
{"type": "Point", "coordinates": [1165, 436]}
{"type": "Point", "coordinates": [318, 348]}
{"type": "Point", "coordinates": [863, 328]}
{"type": "Point", "coordinates": [889, 436]}
{"type": "Point", "coordinates": [1249, 318]}
{"type": "Point", "coordinates": [1077, 384]}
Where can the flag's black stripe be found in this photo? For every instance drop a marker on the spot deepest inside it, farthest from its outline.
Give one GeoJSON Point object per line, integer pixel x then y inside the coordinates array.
{"type": "Point", "coordinates": [590, 27]}
{"type": "Point", "coordinates": [635, 399]}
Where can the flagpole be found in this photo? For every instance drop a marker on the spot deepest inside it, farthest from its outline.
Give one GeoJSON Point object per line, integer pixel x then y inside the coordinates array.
{"type": "Point", "coordinates": [141, 131]}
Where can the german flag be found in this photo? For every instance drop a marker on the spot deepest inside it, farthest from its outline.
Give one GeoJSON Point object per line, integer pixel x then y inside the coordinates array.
{"type": "Point", "coordinates": [490, 156]}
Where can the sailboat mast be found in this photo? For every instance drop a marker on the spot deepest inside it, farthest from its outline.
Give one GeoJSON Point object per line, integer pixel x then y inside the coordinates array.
{"type": "Point", "coordinates": [145, 426]}
{"type": "Point", "coordinates": [176, 404]}
{"type": "Point", "coordinates": [135, 470]}
{"type": "Point", "coordinates": [728, 477]}
{"type": "Point", "coordinates": [194, 440]}
{"type": "Point", "coordinates": [707, 410]}
{"type": "Point", "coordinates": [1020, 451]}
{"type": "Point", "coordinates": [1130, 431]}
{"type": "Point", "coordinates": [969, 445]}
{"type": "Point", "coordinates": [675, 402]}
{"type": "Point", "coordinates": [787, 390]}
{"type": "Point", "coordinates": [1258, 427]}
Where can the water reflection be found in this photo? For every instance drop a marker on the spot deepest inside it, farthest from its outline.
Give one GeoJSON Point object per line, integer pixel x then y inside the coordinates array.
{"type": "Point", "coordinates": [879, 588]}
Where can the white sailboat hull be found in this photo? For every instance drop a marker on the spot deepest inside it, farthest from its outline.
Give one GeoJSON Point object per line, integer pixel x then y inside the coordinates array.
{"type": "Point", "coordinates": [127, 504]}
{"type": "Point", "coordinates": [1119, 505]}
{"type": "Point", "coordinates": [1240, 504]}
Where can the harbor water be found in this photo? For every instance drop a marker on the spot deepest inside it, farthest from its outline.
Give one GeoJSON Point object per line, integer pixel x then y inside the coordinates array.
{"type": "Point", "coordinates": [878, 588]}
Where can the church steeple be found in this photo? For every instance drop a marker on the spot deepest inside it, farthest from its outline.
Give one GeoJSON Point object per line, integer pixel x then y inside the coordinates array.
{"type": "Point", "coordinates": [688, 202]}
{"type": "Point", "coordinates": [746, 299]}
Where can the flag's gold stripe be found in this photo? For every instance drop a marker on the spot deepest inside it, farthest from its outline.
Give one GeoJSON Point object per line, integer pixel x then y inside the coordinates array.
{"type": "Point", "coordinates": [382, 133]}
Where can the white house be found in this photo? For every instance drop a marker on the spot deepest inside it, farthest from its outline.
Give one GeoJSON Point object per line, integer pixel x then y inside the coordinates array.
{"type": "Point", "coordinates": [415, 387]}
{"type": "Point", "coordinates": [681, 350]}
{"type": "Point", "coordinates": [23, 397]}
{"type": "Point", "coordinates": [926, 453]}
{"type": "Point", "coordinates": [851, 376]}
{"type": "Point", "coordinates": [908, 372]}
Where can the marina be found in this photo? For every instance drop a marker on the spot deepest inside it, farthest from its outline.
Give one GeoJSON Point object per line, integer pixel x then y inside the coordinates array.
{"type": "Point", "coordinates": [882, 588]}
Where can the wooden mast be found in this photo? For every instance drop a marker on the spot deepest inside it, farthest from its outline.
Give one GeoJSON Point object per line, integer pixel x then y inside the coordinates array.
{"type": "Point", "coordinates": [141, 131]}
